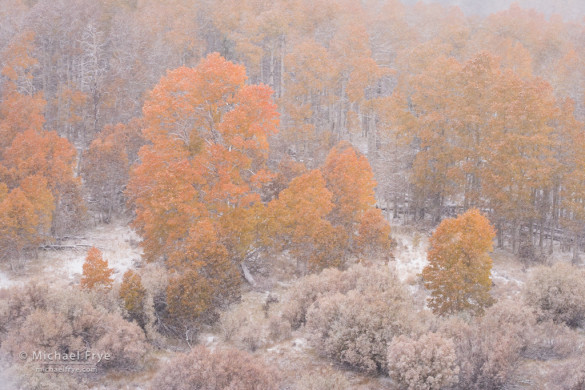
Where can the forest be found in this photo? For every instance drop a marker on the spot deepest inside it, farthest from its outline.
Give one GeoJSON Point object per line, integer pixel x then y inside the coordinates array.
{"type": "Point", "coordinates": [292, 194]}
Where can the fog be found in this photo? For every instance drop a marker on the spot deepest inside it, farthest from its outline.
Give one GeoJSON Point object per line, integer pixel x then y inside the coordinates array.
{"type": "Point", "coordinates": [568, 9]}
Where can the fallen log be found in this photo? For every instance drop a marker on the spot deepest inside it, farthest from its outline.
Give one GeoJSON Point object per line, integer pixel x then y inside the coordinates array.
{"type": "Point", "coordinates": [248, 275]}
{"type": "Point", "coordinates": [62, 247]}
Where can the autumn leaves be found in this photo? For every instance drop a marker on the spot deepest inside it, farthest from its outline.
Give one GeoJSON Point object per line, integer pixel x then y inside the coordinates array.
{"type": "Point", "coordinates": [326, 215]}
{"type": "Point", "coordinates": [206, 200]}
{"type": "Point", "coordinates": [459, 270]}
{"type": "Point", "coordinates": [40, 197]}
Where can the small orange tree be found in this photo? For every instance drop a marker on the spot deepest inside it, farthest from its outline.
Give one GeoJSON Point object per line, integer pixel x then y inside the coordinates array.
{"type": "Point", "coordinates": [459, 269]}
{"type": "Point", "coordinates": [132, 293]}
{"type": "Point", "coordinates": [96, 273]}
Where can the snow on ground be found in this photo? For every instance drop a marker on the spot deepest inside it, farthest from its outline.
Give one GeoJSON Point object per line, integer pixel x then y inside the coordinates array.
{"type": "Point", "coordinates": [5, 280]}
{"type": "Point", "coordinates": [508, 273]}
{"type": "Point", "coordinates": [411, 257]}
{"type": "Point", "coordinates": [118, 242]}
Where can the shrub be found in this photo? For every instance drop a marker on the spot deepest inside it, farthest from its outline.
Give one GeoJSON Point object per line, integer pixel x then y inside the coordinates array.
{"type": "Point", "coordinates": [125, 342]}
{"type": "Point", "coordinates": [489, 348]}
{"type": "Point", "coordinates": [552, 341]}
{"type": "Point", "coordinates": [356, 328]}
{"type": "Point", "coordinates": [330, 281]}
{"type": "Point", "coordinates": [217, 370]}
{"type": "Point", "coordinates": [19, 302]}
{"type": "Point", "coordinates": [558, 293]}
{"type": "Point", "coordinates": [76, 322]}
{"type": "Point", "coordinates": [25, 377]}
{"type": "Point", "coordinates": [244, 329]}
{"type": "Point", "coordinates": [42, 329]}
{"type": "Point", "coordinates": [331, 381]}
{"type": "Point", "coordinates": [571, 375]}
{"type": "Point", "coordinates": [230, 322]}
{"type": "Point", "coordinates": [251, 336]}
{"type": "Point", "coordinates": [279, 329]}
{"type": "Point", "coordinates": [428, 363]}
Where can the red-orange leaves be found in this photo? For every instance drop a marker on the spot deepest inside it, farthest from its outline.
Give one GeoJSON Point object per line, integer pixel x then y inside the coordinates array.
{"type": "Point", "coordinates": [18, 113]}
{"type": "Point", "coordinates": [209, 136]}
{"type": "Point", "coordinates": [45, 154]}
{"type": "Point", "coordinates": [197, 188]}
{"type": "Point", "coordinates": [193, 99]}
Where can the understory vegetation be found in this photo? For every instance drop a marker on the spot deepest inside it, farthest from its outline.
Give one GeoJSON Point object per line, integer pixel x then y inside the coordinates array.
{"type": "Point", "coordinates": [310, 195]}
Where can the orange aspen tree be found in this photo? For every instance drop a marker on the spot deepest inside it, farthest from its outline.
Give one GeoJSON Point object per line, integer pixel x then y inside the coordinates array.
{"type": "Point", "coordinates": [459, 270]}
{"type": "Point", "coordinates": [133, 293]}
{"type": "Point", "coordinates": [96, 273]}
{"type": "Point", "coordinates": [199, 180]}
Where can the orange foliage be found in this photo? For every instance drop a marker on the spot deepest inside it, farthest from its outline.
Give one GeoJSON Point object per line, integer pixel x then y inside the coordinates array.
{"type": "Point", "coordinates": [25, 216]}
{"type": "Point", "coordinates": [301, 225]}
{"type": "Point", "coordinates": [19, 113]}
{"type": "Point", "coordinates": [133, 293]}
{"type": "Point", "coordinates": [350, 179]}
{"type": "Point", "coordinates": [96, 273]}
{"type": "Point", "coordinates": [197, 188]}
{"type": "Point", "coordinates": [459, 269]}
{"type": "Point", "coordinates": [18, 60]}
{"type": "Point", "coordinates": [209, 135]}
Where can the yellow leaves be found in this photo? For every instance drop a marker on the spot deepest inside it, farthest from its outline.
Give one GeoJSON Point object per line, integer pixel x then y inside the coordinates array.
{"type": "Point", "coordinates": [482, 132]}
{"type": "Point", "coordinates": [365, 74]}
{"type": "Point", "coordinates": [459, 270]}
{"type": "Point", "coordinates": [310, 70]}
{"type": "Point", "coordinates": [96, 273]}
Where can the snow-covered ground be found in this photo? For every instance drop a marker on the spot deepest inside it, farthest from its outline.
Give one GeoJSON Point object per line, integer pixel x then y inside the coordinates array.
{"type": "Point", "coordinates": [411, 257]}
{"type": "Point", "coordinates": [118, 242]}
{"type": "Point", "coordinates": [5, 280]}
